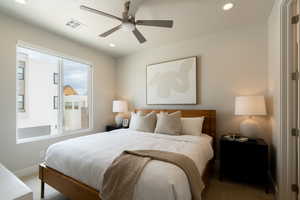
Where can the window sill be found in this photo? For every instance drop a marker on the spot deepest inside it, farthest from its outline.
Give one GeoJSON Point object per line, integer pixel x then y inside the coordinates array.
{"type": "Point", "coordinates": [48, 137]}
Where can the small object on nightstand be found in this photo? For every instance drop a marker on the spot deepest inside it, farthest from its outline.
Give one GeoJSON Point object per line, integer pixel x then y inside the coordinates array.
{"type": "Point", "coordinates": [242, 139]}
{"type": "Point", "coordinates": [125, 123]}
{"type": "Point", "coordinates": [235, 137]}
{"type": "Point", "coordinates": [244, 161]}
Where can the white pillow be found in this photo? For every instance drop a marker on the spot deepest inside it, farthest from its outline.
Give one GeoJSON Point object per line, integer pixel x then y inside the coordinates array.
{"type": "Point", "coordinates": [192, 126]}
{"type": "Point", "coordinates": [146, 123]}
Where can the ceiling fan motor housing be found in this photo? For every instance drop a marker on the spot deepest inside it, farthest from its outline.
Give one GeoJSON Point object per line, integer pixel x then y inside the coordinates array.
{"type": "Point", "coordinates": [126, 16]}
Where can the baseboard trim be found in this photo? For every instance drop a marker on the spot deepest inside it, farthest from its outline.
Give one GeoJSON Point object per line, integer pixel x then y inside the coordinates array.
{"type": "Point", "coordinates": [27, 171]}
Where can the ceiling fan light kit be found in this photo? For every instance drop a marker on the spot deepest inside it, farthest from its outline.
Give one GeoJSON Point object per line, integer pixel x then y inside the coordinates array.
{"type": "Point", "coordinates": [128, 27]}
{"type": "Point", "coordinates": [128, 22]}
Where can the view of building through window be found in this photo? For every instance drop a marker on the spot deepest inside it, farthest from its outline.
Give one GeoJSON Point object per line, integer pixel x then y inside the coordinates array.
{"type": "Point", "coordinates": [53, 94]}
{"type": "Point", "coordinates": [76, 89]}
{"type": "Point", "coordinates": [22, 62]}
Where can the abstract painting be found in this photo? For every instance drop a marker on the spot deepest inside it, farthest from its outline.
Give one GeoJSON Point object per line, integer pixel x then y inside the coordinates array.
{"type": "Point", "coordinates": [172, 82]}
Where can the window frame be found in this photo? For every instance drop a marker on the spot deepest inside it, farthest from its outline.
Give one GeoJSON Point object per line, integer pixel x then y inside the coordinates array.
{"type": "Point", "coordinates": [90, 96]}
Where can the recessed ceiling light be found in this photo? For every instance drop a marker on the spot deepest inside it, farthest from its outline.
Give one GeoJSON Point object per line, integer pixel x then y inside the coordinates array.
{"type": "Point", "coordinates": [112, 45]}
{"type": "Point", "coordinates": [22, 1]}
{"type": "Point", "coordinates": [228, 6]}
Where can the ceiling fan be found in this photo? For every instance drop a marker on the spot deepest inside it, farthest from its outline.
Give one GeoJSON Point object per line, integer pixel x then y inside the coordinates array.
{"type": "Point", "coordinates": [128, 21]}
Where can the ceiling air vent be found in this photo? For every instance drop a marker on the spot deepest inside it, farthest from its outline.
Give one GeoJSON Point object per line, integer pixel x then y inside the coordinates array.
{"type": "Point", "coordinates": [73, 23]}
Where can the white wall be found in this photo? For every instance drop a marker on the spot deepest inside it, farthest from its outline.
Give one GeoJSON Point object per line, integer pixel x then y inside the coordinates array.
{"type": "Point", "coordinates": [19, 156]}
{"type": "Point", "coordinates": [232, 62]}
{"type": "Point", "coordinates": [274, 71]}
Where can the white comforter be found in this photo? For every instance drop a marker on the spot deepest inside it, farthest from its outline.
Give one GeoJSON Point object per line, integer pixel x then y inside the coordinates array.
{"type": "Point", "coordinates": [86, 159]}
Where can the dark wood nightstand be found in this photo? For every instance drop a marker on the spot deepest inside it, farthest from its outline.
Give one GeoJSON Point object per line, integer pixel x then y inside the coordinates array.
{"type": "Point", "coordinates": [112, 127]}
{"type": "Point", "coordinates": [244, 161]}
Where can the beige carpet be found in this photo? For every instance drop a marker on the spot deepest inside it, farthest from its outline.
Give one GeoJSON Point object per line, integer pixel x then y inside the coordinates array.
{"type": "Point", "coordinates": [216, 191]}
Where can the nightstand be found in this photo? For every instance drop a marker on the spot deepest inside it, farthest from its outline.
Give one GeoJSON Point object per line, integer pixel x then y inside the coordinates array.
{"type": "Point", "coordinates": [244, 161]}
{"type": "Point", "coordinates": [112, 127]}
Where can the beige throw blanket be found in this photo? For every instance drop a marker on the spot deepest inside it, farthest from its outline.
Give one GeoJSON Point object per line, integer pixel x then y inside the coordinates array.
{"type": "Point", "coordinates": [121, 177]}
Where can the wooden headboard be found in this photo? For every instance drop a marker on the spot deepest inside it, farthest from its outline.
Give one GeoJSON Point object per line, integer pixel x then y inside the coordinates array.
{"type": "Point", "coordinates": [209, 126]}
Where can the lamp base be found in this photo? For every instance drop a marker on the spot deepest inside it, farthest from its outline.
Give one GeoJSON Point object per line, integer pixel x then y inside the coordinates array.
{"type": "Point", "coordinates": [250, 128]}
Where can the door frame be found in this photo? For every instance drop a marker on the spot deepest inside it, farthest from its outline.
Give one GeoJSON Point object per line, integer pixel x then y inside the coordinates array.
{"type": "Point", "coordinates": [287, 171]}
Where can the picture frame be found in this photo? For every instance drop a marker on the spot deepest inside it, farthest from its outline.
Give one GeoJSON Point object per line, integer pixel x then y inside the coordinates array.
{"type": "Point", "coordinates": [172, 82]}
{"type": "Point", "coordinates": [125, 123]}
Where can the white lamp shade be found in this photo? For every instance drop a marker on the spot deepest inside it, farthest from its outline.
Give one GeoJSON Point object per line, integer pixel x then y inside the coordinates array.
{"type": "Point", "coordinates": [250, 105]}
{"type": "Point", "coordinates": [120, 106]}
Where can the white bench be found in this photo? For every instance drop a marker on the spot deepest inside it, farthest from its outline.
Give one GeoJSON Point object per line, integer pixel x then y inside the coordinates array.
{"type": "Point", "coordinates": [12, 188]}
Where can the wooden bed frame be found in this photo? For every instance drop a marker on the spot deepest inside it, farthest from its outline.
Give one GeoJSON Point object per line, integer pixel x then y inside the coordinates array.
{"type": "Point", "coordinates": [77, 190]}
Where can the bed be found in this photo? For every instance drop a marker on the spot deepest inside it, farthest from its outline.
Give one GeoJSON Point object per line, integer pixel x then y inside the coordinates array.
{"type": "Point", "coordinates": [75, 167]}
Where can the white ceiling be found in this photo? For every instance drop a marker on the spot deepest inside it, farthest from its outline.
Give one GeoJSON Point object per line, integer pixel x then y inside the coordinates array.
{"type": "Point", "coordinates": [191, 19]}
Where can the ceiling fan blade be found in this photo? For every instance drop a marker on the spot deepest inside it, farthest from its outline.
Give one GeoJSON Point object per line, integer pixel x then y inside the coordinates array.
{"type": "Point", "coordinates": [82, 7]}
{"type": "Point", "coordinates": [139, 36]}
{"type": "Point", "coordinates": [107, 33]}
{"type": "Point", "coordinates": [134, 6]}
{"type": "Point", "coordinates": [159, 23]}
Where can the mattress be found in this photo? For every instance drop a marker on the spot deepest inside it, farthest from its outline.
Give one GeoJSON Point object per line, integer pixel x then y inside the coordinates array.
{"type": "Point", "coordinates": [86, 159]}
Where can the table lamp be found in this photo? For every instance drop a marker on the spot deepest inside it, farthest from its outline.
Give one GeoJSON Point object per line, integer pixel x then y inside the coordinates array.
{"type": "Point", "coordinates": [119, 107]}
{"type": "Point", "coordinates": [250, 106]}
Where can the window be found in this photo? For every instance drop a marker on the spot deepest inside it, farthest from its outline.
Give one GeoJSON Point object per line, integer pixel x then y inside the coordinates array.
{"type": "Point", "coordinates": [68, 106]}
{"type": "Point", "coordinates": [21, 89]}
{"type": "Point", "coordinates": [55, 78]}
{"type": "Point", "coordinates": [21, 103]}
{"type": "Point", "coordinates": [53, 94]}
{"type": "Point", "coordinates": [21, 70]}
{"type": "Point", "coordinates": [76, 105]}
{"type": "Point", "coordinates": [55, 102]}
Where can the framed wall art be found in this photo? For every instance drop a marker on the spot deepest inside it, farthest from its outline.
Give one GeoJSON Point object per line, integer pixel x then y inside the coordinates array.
{"type": "Point", "coordinates": [172, 82]}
